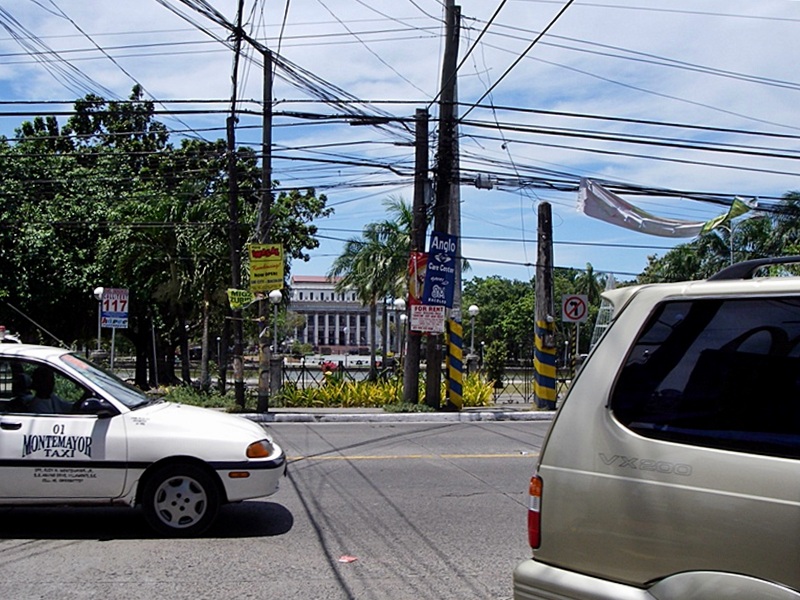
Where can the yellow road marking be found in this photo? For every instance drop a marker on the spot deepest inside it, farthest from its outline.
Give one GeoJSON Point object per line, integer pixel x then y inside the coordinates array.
{"type": "Point", "coordinates": [414, 456]}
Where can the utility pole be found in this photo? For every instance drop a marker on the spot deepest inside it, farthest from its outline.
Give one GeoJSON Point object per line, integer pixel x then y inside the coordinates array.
{"type": "Point", "coordinates": [544, 353]}
{"type": "Point", "coordinates": [444, 179]}
{"type": "Point", "coordinates": [233, 208]}
{"type": "Point", "coordinates": [263, 227]}
{"type": "Point", "coordinates": [455, 330]}
{"type": "Point", "coordinates": [418, 228]}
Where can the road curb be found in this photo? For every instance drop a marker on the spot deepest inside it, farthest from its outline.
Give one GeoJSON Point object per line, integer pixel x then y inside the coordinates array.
{"type": "Point", "coordinates": [451, 417]}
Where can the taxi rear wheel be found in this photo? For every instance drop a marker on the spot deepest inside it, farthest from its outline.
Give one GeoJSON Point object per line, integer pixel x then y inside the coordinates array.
{"type": "Point", "coordinates": [180, 500]}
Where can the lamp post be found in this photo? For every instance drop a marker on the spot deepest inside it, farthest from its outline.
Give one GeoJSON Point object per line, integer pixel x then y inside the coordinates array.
{"type": "Point", "coordinates": [472, 360]}
{"type": "Point", "coordinates": [275, 298]}
{"type": "Point", "coordinates": [98, 294]}
{"type": "Point", "coordinates": [399, 306]}
{"type": "Point", "coordinates": [473, 311]}
{"type": "Point", "coordinates": [403, 319]}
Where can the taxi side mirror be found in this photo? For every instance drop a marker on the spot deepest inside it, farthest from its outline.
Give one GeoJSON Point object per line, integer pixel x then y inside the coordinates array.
{"type": "Point", "coordinates": [96, 406]}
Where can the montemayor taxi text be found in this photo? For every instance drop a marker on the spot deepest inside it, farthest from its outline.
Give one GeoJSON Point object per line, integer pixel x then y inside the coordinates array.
{"type": "Point", "coordinates": [57, 446]}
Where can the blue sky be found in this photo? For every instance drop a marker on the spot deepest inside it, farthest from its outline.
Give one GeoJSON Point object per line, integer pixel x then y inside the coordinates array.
{"type": "Point", "coordinates": [683, 72]}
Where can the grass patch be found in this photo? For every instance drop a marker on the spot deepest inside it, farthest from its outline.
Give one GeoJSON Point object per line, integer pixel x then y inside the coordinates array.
{"type": "Point", "coordinates": [407, 407]}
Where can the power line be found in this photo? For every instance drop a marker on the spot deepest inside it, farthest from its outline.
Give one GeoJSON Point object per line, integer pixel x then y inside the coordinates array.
{"type": "Point", "coordinates": [673, 11]}
{"type": "Point", "coordinates": [520, 57]}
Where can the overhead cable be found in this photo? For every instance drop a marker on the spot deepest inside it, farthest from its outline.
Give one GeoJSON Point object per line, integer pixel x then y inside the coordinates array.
{"type": "Point", "coordinates": [521, 56]}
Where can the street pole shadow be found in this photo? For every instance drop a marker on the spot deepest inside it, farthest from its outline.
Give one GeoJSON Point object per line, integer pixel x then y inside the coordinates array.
{"type": "Point", "coordinates": [241, 520]}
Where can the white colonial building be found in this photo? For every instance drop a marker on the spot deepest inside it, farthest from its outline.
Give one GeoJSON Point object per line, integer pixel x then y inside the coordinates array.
{"type": "Point", "coordinates": [335, 322]}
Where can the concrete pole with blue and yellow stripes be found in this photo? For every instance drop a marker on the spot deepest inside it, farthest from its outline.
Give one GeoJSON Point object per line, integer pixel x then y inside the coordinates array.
{"type": "Point", "coordinates": [455, 363]}
{"type": "Point", "coordinates": [544, 355]}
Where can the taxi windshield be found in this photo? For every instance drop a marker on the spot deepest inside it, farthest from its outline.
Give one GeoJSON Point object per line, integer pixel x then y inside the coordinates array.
{"type": "Point", "coordinates": [108, 382]}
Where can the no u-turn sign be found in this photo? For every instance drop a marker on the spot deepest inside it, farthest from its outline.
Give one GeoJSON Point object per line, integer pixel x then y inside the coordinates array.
{"type": "Point", "coordinates": [574, 308]}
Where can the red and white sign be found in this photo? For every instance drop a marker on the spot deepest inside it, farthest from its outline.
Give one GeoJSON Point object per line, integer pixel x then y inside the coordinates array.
{"type": "Point", "coordinates": [427, 319]}
{"type": "Point", "coordinates": [417, 265]}
{"type": "Point", "coordinates": [114, 309]}
{"type": "Point", "coordinates": [574, 308]}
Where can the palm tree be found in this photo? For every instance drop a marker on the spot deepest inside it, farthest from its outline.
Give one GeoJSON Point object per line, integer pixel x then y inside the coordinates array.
{"type": "Point", "coordinates": [395, 234]}
{"type": "Point", "coordinates": [590, 283]}
{"type": "Point", "coordinates": [360, 268]}
{"type": "Point", "coordinates": [374, 265]}
{"type": "Point", "coordinates": [786, 235]}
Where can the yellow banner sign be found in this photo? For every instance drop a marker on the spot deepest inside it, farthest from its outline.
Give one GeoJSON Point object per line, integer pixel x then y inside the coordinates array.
{"type": "Point", "coordinates": [240, 298]}
{"type": "Point", "coordinates": [266, 267]}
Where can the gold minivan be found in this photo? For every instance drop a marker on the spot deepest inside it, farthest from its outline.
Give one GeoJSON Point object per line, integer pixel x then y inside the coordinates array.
{"type": "Point", "coordinates": [672, 468]}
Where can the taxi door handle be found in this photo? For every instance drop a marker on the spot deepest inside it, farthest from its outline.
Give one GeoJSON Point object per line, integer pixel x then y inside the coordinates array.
{"type": "Point", "coordinates": [12, 426]}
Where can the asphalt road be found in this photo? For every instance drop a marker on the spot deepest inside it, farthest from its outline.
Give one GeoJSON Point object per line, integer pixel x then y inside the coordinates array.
{"type": "Point", "coordinates": [372, 511]}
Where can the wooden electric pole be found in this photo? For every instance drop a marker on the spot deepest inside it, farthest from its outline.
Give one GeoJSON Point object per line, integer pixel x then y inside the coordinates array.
{"type": "Point", "coordinates": [444, 180]}
{"type": "Point", "coordinates": [263, 227]}
{"type": "Point", "coordinates": [419, 226]}
{"type": "Point", "coordinates": [544, 354]}
{"type": "Point", "coordinates": [233, 209]}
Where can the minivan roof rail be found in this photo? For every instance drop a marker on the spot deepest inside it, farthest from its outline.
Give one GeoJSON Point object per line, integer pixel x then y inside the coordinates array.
{"type": "Point", "coordinates": [747, 269]}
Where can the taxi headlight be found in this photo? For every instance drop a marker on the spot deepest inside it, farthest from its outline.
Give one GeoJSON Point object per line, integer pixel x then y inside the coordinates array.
{"type": "Point", "coordinates": [260, 449]}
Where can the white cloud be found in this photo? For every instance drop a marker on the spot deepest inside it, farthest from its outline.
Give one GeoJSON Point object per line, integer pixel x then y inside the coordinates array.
{"type": "Point", "coordinates": [391, 50]}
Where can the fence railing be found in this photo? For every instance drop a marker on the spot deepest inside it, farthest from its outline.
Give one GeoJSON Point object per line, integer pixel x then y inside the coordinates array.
{"type": "Point", "coordinates": [516, 387]}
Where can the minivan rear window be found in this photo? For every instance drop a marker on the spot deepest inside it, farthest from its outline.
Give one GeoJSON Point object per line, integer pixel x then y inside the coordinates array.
{"type": "Point", "coordinates": [721, 373]}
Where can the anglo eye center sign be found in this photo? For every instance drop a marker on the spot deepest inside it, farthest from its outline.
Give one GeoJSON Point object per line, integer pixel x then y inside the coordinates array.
{"type": "Point", "coordinates": [440, 275]}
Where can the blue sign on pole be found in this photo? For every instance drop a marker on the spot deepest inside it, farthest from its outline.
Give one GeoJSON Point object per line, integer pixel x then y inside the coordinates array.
{"type": "Point", "coordinates": [440, 275]}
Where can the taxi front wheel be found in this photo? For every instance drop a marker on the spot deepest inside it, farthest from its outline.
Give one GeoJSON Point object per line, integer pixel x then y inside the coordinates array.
{"type": "Point", "coordinates": [180, 500]}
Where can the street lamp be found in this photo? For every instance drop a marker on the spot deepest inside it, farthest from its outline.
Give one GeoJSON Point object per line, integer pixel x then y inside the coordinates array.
{"type": "Point", "coordinates": [473, 310]}
{"type": "Point", "coordinates": [98, 294]}
{"type": "Point", "coordinates": [403, 319]}
{"type": "Point", "coordinates": [399, 306]}
{"type": "Point", "coordinates": [275, 298]}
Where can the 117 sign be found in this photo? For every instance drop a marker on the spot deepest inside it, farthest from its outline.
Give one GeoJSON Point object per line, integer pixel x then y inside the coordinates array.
{"type": "Point", "coordinates": [114, 308]}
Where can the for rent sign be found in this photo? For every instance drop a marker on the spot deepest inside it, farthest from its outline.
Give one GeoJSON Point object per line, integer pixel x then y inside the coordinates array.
{"type": "Point", "coordinates": [427, 319]}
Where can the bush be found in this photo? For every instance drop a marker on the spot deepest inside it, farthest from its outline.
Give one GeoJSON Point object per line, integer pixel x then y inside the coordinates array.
{"type": "Point", "coordinates": [375, 394]}
{"type": "Point", "coordinates": [494, 361]}
{"type": "Point", "coordinates": [184, 394]}
{"type": "Point", "coordinates": [335, 393]}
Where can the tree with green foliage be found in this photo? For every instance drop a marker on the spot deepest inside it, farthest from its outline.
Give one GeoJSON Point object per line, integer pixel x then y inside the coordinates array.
{"type": "Point", "coordinates": [494, 363]}
{"type": "Point", "coordinates": [754, 235]}
{"type": "Point", "coordinates": [507, 309]}
{"type": "Point", "coordinates": [506, 313]}
{"type": "Point", "coordinates": [106, 200]}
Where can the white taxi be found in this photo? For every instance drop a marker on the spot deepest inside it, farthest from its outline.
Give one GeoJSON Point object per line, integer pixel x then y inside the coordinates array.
{"type": "Point", "coordinates": [74, 434]}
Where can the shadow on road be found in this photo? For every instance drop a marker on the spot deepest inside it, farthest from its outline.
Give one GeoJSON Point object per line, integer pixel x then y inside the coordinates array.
{"type": "Point", "coordinates": [242, 520]}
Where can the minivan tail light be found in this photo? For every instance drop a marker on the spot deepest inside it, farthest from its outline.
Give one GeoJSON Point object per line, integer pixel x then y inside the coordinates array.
{"type": "Point", "coordinates": [534, 512]}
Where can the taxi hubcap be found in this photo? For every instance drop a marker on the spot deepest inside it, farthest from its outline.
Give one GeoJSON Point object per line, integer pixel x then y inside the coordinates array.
{"type": "Point", "coordinates": [180, 501]}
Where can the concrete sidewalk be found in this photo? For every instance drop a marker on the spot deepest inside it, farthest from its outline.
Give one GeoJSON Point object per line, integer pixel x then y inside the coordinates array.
{"type": "Point", "coordinates": [509, 412]}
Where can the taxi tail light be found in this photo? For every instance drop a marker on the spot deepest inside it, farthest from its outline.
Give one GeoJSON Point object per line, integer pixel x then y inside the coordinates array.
{"type": "Point", "coordinates": [534, 512]}
{"type": "Point", "coordinates": [260, 449]}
